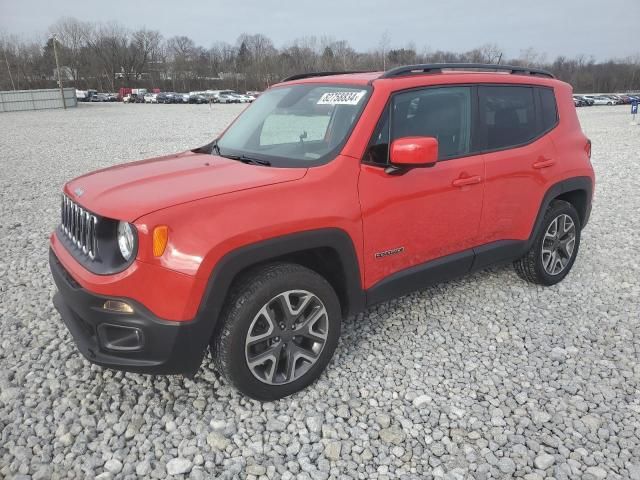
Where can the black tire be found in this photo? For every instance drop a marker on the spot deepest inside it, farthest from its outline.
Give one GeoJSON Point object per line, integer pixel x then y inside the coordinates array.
{"type": "Point", "coordinates": [248, 296]}
{"type": "Point", "coordinates": [530, 267]}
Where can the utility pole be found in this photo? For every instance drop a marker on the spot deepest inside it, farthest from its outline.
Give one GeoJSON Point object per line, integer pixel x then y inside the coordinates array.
{"type": "Point", "coordinates": [8, 68]}
{"type": "Point", "coordinates": [384, 60]}
{"type": "Point", "coordinates": [55, 54]}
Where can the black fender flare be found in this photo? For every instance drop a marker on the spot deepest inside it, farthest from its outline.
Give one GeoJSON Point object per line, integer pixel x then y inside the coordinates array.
{"type": "Point", "coordinates": [557, 189]}
{"type": "Point", "coordinates": [234, 262]}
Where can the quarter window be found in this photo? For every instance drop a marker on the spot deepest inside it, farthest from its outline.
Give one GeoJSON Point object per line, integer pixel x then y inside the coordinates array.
{"type": "Point", "coordinates": [378, 149]}
{"type": "Point", "coordinates": [549, 109]}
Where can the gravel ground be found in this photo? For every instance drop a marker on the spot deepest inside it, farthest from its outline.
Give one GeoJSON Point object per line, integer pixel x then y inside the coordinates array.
{"type": "Point", "coordinates": [484, 377]}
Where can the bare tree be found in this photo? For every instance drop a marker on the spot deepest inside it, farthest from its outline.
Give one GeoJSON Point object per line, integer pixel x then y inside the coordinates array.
{"type": "Point", "coordinates": [72, 34]}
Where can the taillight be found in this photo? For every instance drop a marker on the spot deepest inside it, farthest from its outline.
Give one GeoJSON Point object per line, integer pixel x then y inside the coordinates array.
{"type": "Point", "coordinates": [587, 148]}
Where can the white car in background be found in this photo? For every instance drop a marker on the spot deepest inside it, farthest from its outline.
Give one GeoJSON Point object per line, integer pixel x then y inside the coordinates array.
{"type": "Point", "coordinates": [601, 100]}
{"type": "Point", "coordinates": [151, 98]}
{"type": "Point", "coordinates": [241, 98]}
{"type": "Point", "coordinates": [227, 98]}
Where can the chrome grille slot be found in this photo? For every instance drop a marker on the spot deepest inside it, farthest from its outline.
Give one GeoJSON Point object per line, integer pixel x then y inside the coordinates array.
{"type": "Point", "coordinates": [80, 226]}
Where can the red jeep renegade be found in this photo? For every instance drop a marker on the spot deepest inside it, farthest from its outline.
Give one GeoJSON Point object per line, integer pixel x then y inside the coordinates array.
{"type": "Point", "coordinates": [330, 193]}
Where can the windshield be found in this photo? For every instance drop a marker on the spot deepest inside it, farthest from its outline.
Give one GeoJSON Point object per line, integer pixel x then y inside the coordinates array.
{"type": "Point", "coordinates": [296, 125]}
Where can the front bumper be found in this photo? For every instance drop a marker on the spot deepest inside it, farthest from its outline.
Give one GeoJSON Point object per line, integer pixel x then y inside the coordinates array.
{"type": "Point", "coordinates": [135, 342]}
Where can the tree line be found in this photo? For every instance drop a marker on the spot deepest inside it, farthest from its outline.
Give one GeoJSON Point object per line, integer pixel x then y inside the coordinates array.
{"type": "Point", "coordinates": [107, 56]}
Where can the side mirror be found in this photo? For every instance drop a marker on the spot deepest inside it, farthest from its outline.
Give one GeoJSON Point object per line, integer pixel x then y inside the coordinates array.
{"type": "Point", "coordinates": [414, 152]}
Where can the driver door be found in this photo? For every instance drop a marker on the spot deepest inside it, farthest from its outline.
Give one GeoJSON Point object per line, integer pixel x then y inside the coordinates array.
{"type": "Point", "coordinates": [422, 214]}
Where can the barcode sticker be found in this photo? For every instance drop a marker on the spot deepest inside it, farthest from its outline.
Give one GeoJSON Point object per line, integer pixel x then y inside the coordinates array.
{"type": "Point", "coordinates": [341, 98]}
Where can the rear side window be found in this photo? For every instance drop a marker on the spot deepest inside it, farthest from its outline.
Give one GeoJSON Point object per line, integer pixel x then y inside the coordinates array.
{"type": "Point", "coordinates": [507, 116]}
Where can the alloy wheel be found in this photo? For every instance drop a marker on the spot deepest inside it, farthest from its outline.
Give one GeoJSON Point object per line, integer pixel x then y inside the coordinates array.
{"type": "Point", "coordinates": [286, 337]}
{"type": "Point", "coordinates": [558, 244]}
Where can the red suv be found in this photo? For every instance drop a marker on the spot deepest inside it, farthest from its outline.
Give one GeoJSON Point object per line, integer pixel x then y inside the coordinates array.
{"type": "Point", "coordinates": [330, 193]}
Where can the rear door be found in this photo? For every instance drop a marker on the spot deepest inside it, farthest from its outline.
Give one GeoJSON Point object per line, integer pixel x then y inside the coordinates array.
{"type": "Point", "coordinates": [520, 158]}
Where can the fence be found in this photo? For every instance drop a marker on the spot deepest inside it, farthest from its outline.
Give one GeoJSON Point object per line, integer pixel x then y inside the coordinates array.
{"type": "Point", "coordinates": [18, 100]}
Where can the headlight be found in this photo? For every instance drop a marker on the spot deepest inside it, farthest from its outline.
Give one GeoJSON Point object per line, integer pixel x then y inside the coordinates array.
{"type": "Point", "coordinates": [126, 240]}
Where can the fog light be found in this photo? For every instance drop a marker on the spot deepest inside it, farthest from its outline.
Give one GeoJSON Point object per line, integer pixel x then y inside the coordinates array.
{"type": "Point", "coordinates": [117, 306]}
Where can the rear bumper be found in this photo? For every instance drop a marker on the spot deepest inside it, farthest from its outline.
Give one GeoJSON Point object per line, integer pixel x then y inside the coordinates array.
{"type": "Point", "coordinates": [135, 342]}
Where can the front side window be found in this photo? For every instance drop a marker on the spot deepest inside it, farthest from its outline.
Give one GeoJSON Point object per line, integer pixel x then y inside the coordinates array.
{"type": "Point", "coordinates": [507, 116]}
{"type": "Point", "coordinates": [441, 112]}
{"type": "Point", "coordinates": [296, 125]}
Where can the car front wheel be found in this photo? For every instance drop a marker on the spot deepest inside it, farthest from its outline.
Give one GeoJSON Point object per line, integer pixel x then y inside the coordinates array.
{"type": "Point", "coordinates": [279, 329]}
{"type": "Point", "coordinates": [555, 248]}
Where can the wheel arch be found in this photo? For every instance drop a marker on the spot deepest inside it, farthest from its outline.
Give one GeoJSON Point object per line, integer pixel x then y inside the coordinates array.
{"type": "Point", "coordinates": [330, 252]}
{"type": "Point", "coordinates": [576, 190]}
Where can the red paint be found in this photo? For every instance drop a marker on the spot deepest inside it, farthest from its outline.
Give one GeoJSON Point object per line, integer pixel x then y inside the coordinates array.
{"type": "Point", "coordinates": [416, 151]}
{"type": "Point", "coordinates": [213, 205]}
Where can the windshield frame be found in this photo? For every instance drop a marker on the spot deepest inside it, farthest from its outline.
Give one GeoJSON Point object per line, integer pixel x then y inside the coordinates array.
{"type": "Point", "coordinates": [289, 162]}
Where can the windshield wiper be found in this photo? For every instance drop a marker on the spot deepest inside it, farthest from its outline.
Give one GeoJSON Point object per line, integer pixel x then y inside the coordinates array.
{"type": "Point", "coordinates": [245, 159]}
{"type": "Point", "coordinates": [241, 158]}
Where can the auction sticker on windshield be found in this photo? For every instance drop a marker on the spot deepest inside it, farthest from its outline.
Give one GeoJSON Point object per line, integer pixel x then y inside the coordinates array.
{"type": "Point", "coordinates": [341, 98]}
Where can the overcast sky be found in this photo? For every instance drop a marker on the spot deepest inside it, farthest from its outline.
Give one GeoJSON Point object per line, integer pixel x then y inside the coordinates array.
{"type": "Point", "coordinates": [569, 27]}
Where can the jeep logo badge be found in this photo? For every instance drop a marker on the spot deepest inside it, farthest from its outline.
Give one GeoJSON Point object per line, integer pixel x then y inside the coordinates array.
{"type": "Point", "coordinates": [78, 191]}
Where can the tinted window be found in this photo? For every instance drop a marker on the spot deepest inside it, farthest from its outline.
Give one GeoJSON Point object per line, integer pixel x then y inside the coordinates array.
{"type": "Point", "coordinates": [443, 113]}
{"type": "Point", "coordinates": [507, 115]}
{"type": "Point", "coordinates": [548, 109]}
{"type": "Point", "coordinates": [378, 149]}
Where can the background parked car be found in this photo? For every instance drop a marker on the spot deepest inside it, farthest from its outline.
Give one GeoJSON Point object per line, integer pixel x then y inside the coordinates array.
{"type": "Point", "coordinates": [600, 100]}
{"type": "Point", "coordinates": [150, 98]}
{"type": "Point", "coordinates": [587, 101]}
{"type": "Point", "coordinates": [166, 97]}
{"type": "Point", "coordinates": [241, 98]}
{"type": "Point", "coordinates": [100, 97]}
{"type": "Point", "coordinates": [199, 99]}
{"type": "Point", "coordinates": [227, 98]}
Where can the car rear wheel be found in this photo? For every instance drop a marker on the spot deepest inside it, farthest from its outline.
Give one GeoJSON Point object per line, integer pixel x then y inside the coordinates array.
{"type": "Point", "coordinates": [279, 329]}
{"type": "Point", "coordinates": [555, 248]}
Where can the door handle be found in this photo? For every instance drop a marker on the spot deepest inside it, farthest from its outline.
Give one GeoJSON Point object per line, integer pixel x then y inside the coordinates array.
{"type": "Point", "coordinates": [463, 182]}
{"type": "Point", "coordinates": [546, 163]}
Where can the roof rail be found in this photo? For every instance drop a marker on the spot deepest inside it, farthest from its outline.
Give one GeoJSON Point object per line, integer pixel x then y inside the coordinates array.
{"type": "Point", "coordinates": [300, 76]}
{"type": "Point", "coordinates": [438, 67]}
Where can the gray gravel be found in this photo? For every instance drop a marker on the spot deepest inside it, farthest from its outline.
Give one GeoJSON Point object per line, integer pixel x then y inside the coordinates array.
{"type": "Point", "coordinates": [484, 377]}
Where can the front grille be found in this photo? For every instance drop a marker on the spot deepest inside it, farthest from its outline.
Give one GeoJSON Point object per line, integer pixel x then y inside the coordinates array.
{"type": "Point", "coordinates": [80, 226]}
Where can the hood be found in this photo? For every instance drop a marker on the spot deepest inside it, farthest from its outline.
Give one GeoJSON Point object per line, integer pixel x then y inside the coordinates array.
{"type": "Point", "coordinates": [128, 191]}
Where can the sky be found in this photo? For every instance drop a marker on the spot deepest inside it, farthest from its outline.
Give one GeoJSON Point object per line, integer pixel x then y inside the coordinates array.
{"type": "Point", "coordinates": [554, 27]}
